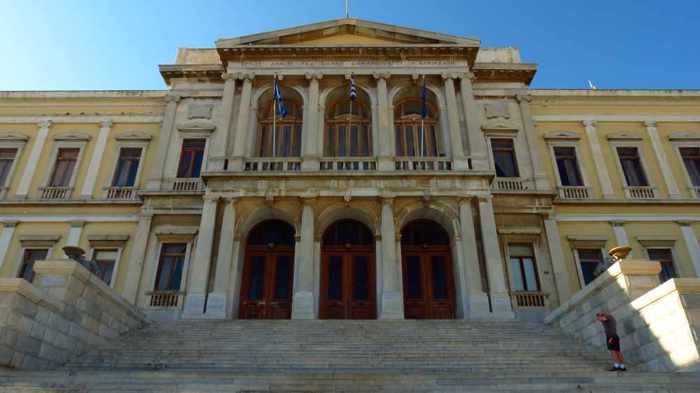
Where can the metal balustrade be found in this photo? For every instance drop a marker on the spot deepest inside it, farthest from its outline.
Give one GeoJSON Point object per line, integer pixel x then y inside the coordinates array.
{"type": "Point", "coordinates": [510, 184]}
{"type": "Point", "coordinates": [423, 164]}
{"type": "Point", "coordinates": [55, 193]}
{"type": "Point", "coordinates": [166, 299]}
{"type": "Point", "coordinates": [348, 164]}
{"type": "Point", "coordinates": [524, 299]}
{"type": "Point", "coordinates": [122, 193]}
{"type": "Point", "coordinates": [574, 192]}
{"type": "Point", "coordinates": [286, 164]}
{"type": "Point", "coordinates": [640, 192]}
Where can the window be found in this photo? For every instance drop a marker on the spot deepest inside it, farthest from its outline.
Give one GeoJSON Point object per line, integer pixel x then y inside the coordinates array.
{"type": "Point", "coordinates": [588, 260]}
{"type": "Point", "coordinates": [523, 270]}
{"type": "Point", "coordinates": [170, 266]}
{"type": "Point", "coordinates": [357, 142]}
{"type": "Point", "coordinates": [7, 158]}
{"type": "Point", "coordinates": [504, 157]}
{"type": "Point", "coordinates": [691, 160]}
{"type": "Point", "coordinates": [567, 166]}
{"type": "Point", "coordinates": [106, 259]}
{"type": "Point", "coordinates": [127, 167]}
{"type": "Point", "coordinates": [631, 165]}
{"type": "Point", "coordinates": [28, 258]}
{"type": "Point", "coordinates": [413, 132]}
{"type": "Point", "coordinates": [66, 159]}
{"type": "Point", "coordinates": [665, 257]}
{"type": "Point", "coordinates": [287, 135]}
{"type": "Point", "coordinates": [191, 158]}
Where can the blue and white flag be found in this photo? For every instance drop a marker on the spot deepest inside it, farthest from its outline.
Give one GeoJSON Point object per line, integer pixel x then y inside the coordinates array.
{"type": "Point", "coordinates": [277, 96]}
{"type": "Point", "coordinates": [423, 100]}
{"type": "Point", "coordinates": [353, 89]}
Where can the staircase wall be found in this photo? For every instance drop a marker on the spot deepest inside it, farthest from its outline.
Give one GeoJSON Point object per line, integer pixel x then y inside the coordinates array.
{"type": "Point", "coordinates": [67, 312]}
{"type": "Point", "coordinates": [658, 325]}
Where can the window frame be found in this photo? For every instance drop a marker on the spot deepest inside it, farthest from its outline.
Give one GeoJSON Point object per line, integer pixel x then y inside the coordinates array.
{"type": "Point", "coordinates": [12, 142]}
{"type": "Point", "coordinates": [677, 145]}
{"type": "Point", "coordinates": [191, 135]}
{"type": "Point", "coordinates": [118, 148]}
{"type": "Point", "coordinates": [577, 261]}
{"type": "Point", "coordinates": [95, 249]}
{"type": "Point", "coordinates": [492, 157]}
{"type": "Point", "coordinates": [579, 162]}
{"type": "Point", "coordinates": [674, 257]}
{"type": "Point", "coordinates": [23, 249]}
{"type": "Point", "coordinates": [60, 144]}
{"type": "Point", "coordinates": [642, 161]}
{"type": "Point", "coordinates": [185, 266]}
{"type": "Point", "coordinates": [533, 250]}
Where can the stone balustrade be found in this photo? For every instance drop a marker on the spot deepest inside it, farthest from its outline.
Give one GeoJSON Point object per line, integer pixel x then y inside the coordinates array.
{"type": "Point", "coordinates": [657, 324]}
{"type": "Point", "coordinates": [67, 312]}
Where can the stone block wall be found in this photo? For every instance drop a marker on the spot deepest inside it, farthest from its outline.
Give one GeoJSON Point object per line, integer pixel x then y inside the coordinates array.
{"type": "Point", "coordinates": [67, 312]}
{"type": "Point", "coordinates": [657, 324]}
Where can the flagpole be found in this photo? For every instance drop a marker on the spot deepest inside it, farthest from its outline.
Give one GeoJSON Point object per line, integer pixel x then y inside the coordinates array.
{"type": "Point", "coordinates": [422, 122]}
{"type": "Point", "coordinates": [274, 116]}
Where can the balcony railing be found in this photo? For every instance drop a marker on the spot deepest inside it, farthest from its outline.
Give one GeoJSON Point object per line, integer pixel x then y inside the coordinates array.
{"type": "Point", "coordinates": [55, 192]}
{"type": "Point", "coordinates": [695, 192]}
{"type": "Point", "coordinates": [509, 184]}
{"type": "Point", "coordinates": [640, 192]}
{"type": "Point", "coordinates": [166, 299]}
{"type": "Point", "coordinates": [348, 164]}
{"type": "Point", "coordinates": [283, 164]}
{"type": "Point", "coordinates": [523, 299]}
{"type": "Point", "coordinates": [186, 184]}
{"type": "Point", "coordinates": [117, 193]}
{"type": "Point", "coordinates": [574, 192]}
{"type": "Point", "coordinates": [423, 164]}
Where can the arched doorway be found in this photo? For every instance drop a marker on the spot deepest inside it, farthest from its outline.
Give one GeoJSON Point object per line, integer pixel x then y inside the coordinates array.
{"type": "Point", "coordinates": [428, 280]}
{"type": "Point", "coordinates": [268, 272]}
{"type": "Point", "coordinates": [348, 288]}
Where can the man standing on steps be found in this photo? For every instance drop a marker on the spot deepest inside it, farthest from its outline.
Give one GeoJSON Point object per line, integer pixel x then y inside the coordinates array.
{"type": "Point", "coordinates": [612, 339]}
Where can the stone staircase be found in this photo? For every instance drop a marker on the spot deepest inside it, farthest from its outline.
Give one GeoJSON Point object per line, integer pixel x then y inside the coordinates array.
{"type": "Point", "coordinates": [344, 356]}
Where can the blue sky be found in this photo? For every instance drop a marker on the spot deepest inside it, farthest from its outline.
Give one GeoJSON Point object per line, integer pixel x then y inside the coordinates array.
{"type": "Point", "coordinates": [109, 44]}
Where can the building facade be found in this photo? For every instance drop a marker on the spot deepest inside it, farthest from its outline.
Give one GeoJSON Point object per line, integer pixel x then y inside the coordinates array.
{"type": "Point", "coordinates": [441, 187]}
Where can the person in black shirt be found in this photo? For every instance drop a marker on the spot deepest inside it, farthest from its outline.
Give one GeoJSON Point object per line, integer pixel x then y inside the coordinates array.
{"type": "Point", "coordinates": [612, 339]}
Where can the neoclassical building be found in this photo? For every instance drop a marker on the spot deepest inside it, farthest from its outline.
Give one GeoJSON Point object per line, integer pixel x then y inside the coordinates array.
{"type": "Point", "coordinates": [444, 187]}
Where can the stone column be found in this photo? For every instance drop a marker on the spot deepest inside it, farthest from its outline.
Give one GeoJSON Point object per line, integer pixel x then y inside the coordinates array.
{"type": "Point", "coordinates": [620, 233]}
{"type": "Point", "coordinates": [155, 177]}
{"type": "Point", "coordinates": [385, 150]}
{"type": "Point", "coordinates": [392, 296]}
{"type": "Point", "coordinates": [475, 302]}
{"type": "Point", "coordinates": [561, 273]}
{"type": "Point", "coordinates": [666, 172]}
{"type": "Point", "coordinates": [500, 299]}
{"type": "Point", "coordinates": [303, 300]}
{"type": "Point", "coordinates": [310, 153]}
{"type": "Point", "coordinates": [538, 173]}
{"type": "Point", "coordinates": [95, 160]}
{"type": "Point", "coordinates": [26, 180]}
{"type": "Point", "coordinates": [478, 153]}
{"type": "Point", "coordinates": [8, 229]}
{"type": "Point", "coordinates": [602, 170]}
{"type": "Point", "coordinates": [197, 285]}
{"type": "Point", "coordinates": [217, 301]}
{"type": "Point", "coordinates": [219, 146]}
{"type": "Point", "coordinates": [691, 242]}
{"type": "Point", "coordinates": [137, 258]}
{"type": "Point", "coordinates": [459, 161]}
{"type": "Point", "coordinates": [239, 140]}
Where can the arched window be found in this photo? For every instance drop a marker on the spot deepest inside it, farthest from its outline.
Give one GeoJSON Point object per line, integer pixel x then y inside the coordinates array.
{"type": "Point", "coordinates": [424, 232]}
{"type": "Point", "coordinates": [414, 133]}
{"type": "Point", "coordinates": [346, 232]}
{"type": "Point", "coordinates": [348, 132]}
{"type": "Point", "coordinates": [272, 232]}
{"type": "Point", "coordinates": [287, 131]}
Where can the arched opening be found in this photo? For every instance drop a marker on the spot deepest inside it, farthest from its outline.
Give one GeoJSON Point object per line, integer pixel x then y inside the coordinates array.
{"type": "Point", "coordinates": [284, 133]}
{"type": "Point", "coordinates": [348, 124]}
{"type": "Point", "coordinates": [416, 136]}
{"type": "Point", "coordinates": [428, 279]}
{"type": "Point", "coordinates": [348, 289]}
{"type": "Point", "coordinates": [268, 272]}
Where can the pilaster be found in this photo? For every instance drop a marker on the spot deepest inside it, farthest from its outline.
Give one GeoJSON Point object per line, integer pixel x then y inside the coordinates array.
{"type": "Point", "coordinates": [137, 258]}
{"type": "Point", "coordinates": [556, 254]}
{"type": "Point", "coordinates": [218, 305]}
{"type": "Point", "coordinates": [310, 153]}
{"type": "Point", "coordinates": [197, 284]}
{"type": "Point", "coordinates": [477, 143]}
{"type": "Point", "coordinates": [392, 294]}
{"type": "Point", "coordinates": [459, 160]}
{"type": "Point", "coordinates": [219, 146]}
{"type": "Point", "coordinates": [540, 176]}
{"type": "Point", "coordinates": [385, 158]}
{"type": "Point", "coordinates": [691, 241]}
{"type": "Point", "coordinates": [236, 163]}
{"type": "Point", "coordinates": [158, 165]}
{"type": "Point", "coordinates": [29, 170]}
{"type": "Point", "coordinates": [8, 229]}
{"type": "Point", "coordinates": [475, 302]}
{"type": "Point", "coordinates": [303, 304]}
{"type": "Point", "coordinates": [666, 172]}
{"type": "Point", "coordinates": [95, 160]}
{"type": "Point", "coordinates": [599, 158]}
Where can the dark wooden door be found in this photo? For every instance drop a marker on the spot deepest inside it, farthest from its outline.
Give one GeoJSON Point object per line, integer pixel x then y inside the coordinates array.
{"type": "Point", "coordinates": [348, 283]}
{"type": "Point", "coordinates": [428, 283]}
{"type": "Point", "coordinates": [266, 291]}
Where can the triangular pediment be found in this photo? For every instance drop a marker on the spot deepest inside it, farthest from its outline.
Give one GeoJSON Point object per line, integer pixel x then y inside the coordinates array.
{"type": "Point", "coordinates": [349, 31]}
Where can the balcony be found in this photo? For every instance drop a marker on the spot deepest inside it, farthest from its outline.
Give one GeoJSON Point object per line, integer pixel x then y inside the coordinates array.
{"type": "Point", "coordinates": [574, 192]}
{"type": "Point", "coordinates": [55, 193]}
{"type": "Point", "coordinates": [269, 164]}
{"type": "Point", "coordinates": [116, 193]}
{"type": "Point", "coordinates": [523, 299]}
{"type": "Point", "coordinates": [509, 184]}
{"type": "Point", "coordinates": [185, 184]}
{"type": "Point", "coordinates": [419, 164]}
{"type": "Point", "coordinates": [348, 164]}
{"type": "Point", "coordinates": [695, 192]}
{"type": "Point", "coordinates": [640, 192]}
{"type": "Point", "coordinates": [166, 299]}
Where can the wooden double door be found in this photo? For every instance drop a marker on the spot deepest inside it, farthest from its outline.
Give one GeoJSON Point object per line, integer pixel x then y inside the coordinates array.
{"type": "Point", "coordinates": [266, 291]}
{"type": "Point", "coordinates": [428, 282]}
{"type": "Point", "coordinates": [348, 286]}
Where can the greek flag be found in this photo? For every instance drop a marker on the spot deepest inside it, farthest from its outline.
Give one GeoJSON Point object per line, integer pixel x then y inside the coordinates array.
{"type": "Point", "coordinates": [277, 96]}
{"type": "Point", "coordinates": [353, 89]}
{"type": "Point", "coordinates": [423, 100]}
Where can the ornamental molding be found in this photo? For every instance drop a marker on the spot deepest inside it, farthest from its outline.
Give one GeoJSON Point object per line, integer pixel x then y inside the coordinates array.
{"type": "Point", "coordinates": [684, 136]}
{"type": "Point", "coordinates": [132, 136]}
{"type": "Point", "coordinates": [500, 125]}
{"type": "Point", "coordinates": [73, 137]}
{"type": "Point", "coordinates": [13, 137]}
{"type": "Point", "coordinates": [562, 135]}
{"type": "Point", "coordinates": [623, 136]}
{"type": "Point", "coordinates": [196, 125]}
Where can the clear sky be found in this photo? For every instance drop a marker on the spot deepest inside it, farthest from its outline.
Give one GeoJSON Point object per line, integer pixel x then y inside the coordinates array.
{"type": "Point", "coordinates": [110, 44]}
